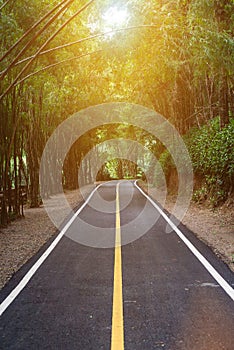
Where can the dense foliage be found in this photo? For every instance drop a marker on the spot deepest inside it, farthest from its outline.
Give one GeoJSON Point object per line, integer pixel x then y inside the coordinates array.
{"type": "Point", "coordinates": [175, 57]}
{"type": "Point", "coordinates": [211, 149]}
{"type": "Point", "coordinates": [212, 153]}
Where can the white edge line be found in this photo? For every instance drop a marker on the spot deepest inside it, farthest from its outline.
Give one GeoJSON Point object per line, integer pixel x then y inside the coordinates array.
{"type": "Point", "coordinates": [221, 281]}
{"type": "Point", "coordinates": [15, 292]}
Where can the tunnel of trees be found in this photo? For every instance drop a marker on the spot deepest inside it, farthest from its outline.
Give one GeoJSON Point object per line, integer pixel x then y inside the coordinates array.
{"type": "Point", "coordinates": [173, 56]}
{"type": "Point", "coordinates": [115, 168]}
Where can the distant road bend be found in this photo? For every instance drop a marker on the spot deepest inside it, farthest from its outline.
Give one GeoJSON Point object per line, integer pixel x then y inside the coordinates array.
{"type": "Point", "coordinates": [159, 291]}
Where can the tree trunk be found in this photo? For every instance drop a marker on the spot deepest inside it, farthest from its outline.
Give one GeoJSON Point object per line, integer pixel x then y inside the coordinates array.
{"type": "Point", "coordinates": [224, 110]}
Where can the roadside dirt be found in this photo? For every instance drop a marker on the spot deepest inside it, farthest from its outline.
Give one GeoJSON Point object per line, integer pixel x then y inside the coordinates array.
{"type": "Point", "coordinates": [24, 237]}
{"type": "Point", "coordinates": [215, 227]}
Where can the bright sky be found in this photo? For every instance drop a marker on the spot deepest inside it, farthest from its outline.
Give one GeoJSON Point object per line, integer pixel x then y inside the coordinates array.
{"type": "Point", "coordinates": [115, 17]}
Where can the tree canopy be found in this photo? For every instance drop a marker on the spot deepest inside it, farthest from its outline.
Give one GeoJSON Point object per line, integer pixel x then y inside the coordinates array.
{"type": "Point", "coordinates": [58, 57]}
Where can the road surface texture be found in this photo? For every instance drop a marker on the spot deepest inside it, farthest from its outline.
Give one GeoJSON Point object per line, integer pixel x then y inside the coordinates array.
{"type": "Point", "coordinates": [150, 293]}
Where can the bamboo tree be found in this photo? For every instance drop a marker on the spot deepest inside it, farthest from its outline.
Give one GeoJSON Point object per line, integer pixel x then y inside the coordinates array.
{"type": "Point", "coordinates": [32, 41]}
{"type": "Point", "coordinates": [4, 4]}
{"type": "Point", "coordinates": [34, 26]}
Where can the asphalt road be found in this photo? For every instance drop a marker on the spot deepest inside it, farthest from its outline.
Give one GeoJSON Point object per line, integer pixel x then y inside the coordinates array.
{"type": "Point", "coordinates": [151, 293]}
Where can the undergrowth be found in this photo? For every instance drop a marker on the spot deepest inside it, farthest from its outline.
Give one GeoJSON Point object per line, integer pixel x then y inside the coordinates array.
{"type": "Point", "coordinates": [212, 153]}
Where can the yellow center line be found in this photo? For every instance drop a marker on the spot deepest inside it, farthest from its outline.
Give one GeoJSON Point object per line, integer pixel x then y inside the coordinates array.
{"type": "Point", "coordinates": [117, 337]}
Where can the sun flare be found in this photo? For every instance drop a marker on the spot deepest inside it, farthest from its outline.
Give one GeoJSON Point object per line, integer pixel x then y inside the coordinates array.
{"type": "Point", "coordinates": [115, 17]}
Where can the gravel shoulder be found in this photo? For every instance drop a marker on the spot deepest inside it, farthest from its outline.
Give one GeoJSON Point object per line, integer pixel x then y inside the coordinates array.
{"type": "Point", "coordinates": [24, 237]}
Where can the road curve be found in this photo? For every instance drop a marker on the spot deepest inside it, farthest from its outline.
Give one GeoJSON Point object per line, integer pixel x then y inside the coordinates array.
{"type": "Point", "coordinates": [133, 286]}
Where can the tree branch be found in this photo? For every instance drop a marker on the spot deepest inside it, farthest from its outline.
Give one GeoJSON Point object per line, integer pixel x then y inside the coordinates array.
{"type": "Point", "coordinates": [4, 4]}
{"type": "Point", "coordinates": [51, 20]}
{"type": "Point", "coordinates": [56, 64]}
{"type": "Point", "coordinates": [43, 46]}
{"type": "Point", "coordinates": [86, 39]}
{"type": "Point", "coordinates": [31, 29]}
